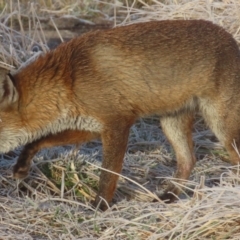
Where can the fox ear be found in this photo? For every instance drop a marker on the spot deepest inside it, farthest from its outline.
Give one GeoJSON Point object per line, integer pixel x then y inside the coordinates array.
{"type": "Point", "coordinates": [8, 91]}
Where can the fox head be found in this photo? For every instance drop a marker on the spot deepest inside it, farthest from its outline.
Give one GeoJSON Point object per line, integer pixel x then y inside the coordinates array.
{"type": "Point", "coordinates": [10, 126]}
{"type": "Point", "coordinates": [30, 108]}
{"type": "Point", "coordinates": [19, 124]}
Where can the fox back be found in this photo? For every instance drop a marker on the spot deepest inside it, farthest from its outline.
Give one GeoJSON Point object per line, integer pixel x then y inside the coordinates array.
{"type": "Point", "coordinates": [98, 84]}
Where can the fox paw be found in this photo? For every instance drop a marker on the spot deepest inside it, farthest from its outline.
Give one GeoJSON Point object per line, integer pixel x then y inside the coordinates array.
{"type": "Point", "coordinates": [20, 172]}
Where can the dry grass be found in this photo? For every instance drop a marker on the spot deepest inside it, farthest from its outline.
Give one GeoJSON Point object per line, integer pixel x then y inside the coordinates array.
{"type": "Point", "coordinates": [52, 203]}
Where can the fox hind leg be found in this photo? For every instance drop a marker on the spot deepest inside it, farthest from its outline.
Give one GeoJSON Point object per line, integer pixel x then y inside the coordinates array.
{"type": "Point", "coordinates": [178, 130]}
{"type": "Point", "coordinates": [224, 121]}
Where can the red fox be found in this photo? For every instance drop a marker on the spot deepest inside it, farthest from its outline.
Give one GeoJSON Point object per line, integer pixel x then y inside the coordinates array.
{"type": "Point", "coordinates": [97, 85]}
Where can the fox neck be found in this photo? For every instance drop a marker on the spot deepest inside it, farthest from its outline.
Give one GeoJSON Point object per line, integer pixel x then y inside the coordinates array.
{"type": "Point", "coordinates": [12, 134]}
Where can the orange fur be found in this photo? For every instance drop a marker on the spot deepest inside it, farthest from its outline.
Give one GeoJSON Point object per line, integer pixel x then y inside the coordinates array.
{"type": "Point", "coordinates": [98, 84]}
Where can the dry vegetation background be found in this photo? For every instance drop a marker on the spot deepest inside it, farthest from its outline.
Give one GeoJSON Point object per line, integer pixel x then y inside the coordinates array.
{"type": "Point", "coordinates": [53, 202]}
